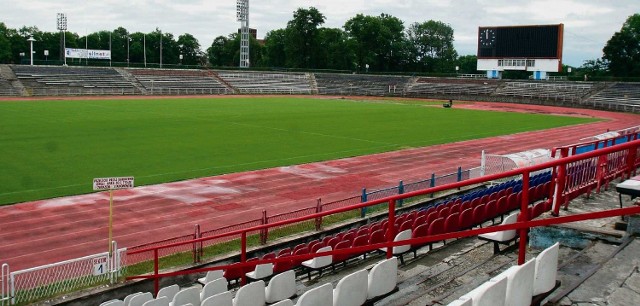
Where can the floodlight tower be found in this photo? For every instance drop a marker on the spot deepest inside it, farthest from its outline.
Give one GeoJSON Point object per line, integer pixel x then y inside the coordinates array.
{"type": "Point", "coordinates": [242, 13]}
{"type": "Point", "coordinates": [62, 27]}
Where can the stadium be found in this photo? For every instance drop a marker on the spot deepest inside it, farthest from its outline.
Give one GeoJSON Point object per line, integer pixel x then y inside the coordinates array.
{"type": "Point", "coordinates": [196, 186]}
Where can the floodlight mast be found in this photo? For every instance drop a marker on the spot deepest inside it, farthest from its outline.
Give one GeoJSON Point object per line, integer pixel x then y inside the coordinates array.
{"type": "Point", "coordinates": [62, 27]}
{"type": "Point", "coordinates": [242, 13]}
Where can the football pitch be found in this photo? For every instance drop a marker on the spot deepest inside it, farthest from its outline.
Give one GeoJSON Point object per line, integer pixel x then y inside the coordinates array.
{"type": "Point", "coordinates": [56, 148]}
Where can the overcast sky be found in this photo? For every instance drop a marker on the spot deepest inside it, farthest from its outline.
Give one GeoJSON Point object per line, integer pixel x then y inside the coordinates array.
{"type": "Point", "coordinates": [588, 23]}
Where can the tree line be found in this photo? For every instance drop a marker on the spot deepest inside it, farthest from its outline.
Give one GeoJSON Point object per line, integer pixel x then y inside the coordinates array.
{"type": "Point", "coordinates": [365, 43]}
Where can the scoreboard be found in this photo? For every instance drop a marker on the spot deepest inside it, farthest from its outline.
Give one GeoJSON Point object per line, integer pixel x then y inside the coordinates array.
{"type": "Point", "coordinates": [520, 48]}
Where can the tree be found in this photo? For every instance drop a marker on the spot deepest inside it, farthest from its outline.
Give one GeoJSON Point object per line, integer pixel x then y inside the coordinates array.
{"type": "Point", "coordinates": [189, 48]}
{"type": "Point", "coordinates": [468, 64]}
{"type": "Point", "coordinates": [432, 43]}
{"type": "Point", "coordinates": [622, 51]}
{"type": "Point", "coordinates": [335, 52]}
{"type": "Point", "coordinates": [378, 41]}
{"type": "Point", "coordinates": [301, 40]}
{"type": "Point", "coordinates": [217, 54]}
{"type": "Point", "coordinates": [274, 48]}
{"type": "Point", "coordinates": [5, 44]}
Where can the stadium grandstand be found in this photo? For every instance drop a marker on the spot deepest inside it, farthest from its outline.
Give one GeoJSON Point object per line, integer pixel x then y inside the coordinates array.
{"type": "Point", "coordinates": [28, 81]}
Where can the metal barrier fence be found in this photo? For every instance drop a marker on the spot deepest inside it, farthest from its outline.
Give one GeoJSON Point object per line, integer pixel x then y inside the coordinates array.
{"type": "Point", "coordinates": [25, 286]}
{"type": "Point", "coordinates": [188, 91]}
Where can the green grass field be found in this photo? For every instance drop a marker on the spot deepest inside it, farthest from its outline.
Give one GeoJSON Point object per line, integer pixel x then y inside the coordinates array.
{"type": "Point", "coordinates": [56, 148]}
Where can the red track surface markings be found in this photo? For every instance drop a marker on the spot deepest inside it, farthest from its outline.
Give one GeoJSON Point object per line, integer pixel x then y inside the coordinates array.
{"type": "Point", "coordinates": [41, 232]}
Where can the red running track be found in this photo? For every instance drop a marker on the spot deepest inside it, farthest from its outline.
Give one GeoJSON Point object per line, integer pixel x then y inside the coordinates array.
{"type": "Point", "coordinates": [47, 231]}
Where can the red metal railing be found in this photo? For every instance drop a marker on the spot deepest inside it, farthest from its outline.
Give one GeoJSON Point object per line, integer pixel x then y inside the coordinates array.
{"type": "Point", "coordinates": [558, 184]}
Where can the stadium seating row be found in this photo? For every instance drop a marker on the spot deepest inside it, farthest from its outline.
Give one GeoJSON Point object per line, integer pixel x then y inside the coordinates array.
{"type": "Point", "coordinates": [518, 285]}
{"type": "Point", "coordinates": [354, 289]}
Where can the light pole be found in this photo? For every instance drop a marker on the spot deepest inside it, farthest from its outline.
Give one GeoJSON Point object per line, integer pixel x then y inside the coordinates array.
{"type": "Point", "coordinates": [457, 69]}
{"type": "Point", "coordinates": [62, 27]}
{"type": "Point", "coordinates": [46, 55]}
{"type": "Point", "coordinates": [180, 59]}
{"type": "Point", "coordinates": [128, 40]}
{"type": "Point", "coordinates": [31, 40]}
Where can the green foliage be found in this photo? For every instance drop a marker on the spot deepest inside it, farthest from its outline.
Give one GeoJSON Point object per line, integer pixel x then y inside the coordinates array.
{"type": "Point", "coordinates": [468, 64]}
{"type": "Point", "coordinates": [432, 46]}
{"type": "Point", "coordinates": [55, 149]}
{"type": "Point", "coordinates": [379, 41]}
{"type": "Point", "coordinates": [301, 38]}
{"type": "Point", "coordinates": [622, 51]}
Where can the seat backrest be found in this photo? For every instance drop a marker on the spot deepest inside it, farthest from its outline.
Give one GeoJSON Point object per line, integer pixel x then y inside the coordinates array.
{"type": "Point", "coordinates": [546, 270]}
{"type": "Point", "coordinates": [376, 237]}
{"type": "Point", "coordinates": [282, 265]}
{"type": "Point", "coordinates": [187, 295]}
{"type": "Point", "coordinates": [406, 225]}
{"type": "Point", "coordinates": [127, 299]}
{"type": "Point", "coordinates": [319, 296]}
{"type": "Point", "coordinates": [212, 288]}
{"type": "Point", "coordinates": [444, 212]}
{"type": "Point", "coordinates": [520, 284]}
{"type": "Point", "coordinates": [140, 299]}
{"type": "Point", "coordinates": [220, 299]}
{"type": "Point", "coordinates": [491, 209]}
{"type": "Point", "coordinates": [323, 261]}
{"type": "Point", "coordinates": [270, 255]}
{"type": "Point", "coordinates": [168, 291]}
{"type": "Point", "coordinates": [286, 302]}
{"type": "Point", "coordinates": [463, 301]}
{"type": "Point", "coordinates": [250, 268]}
{"type": "Point", "coordinates": [351, 290]}
{"type": "Point", "coordinates": [361, 240]}
{"type": "Point", "coordinates": [510, 234]}
{"type": "Point", "coordinates": [436, 227]}
{"type": "Point", "coordinates": [263, 270]}
{"type": "Point", "coordinates": [112, 303]}
{"type": "Point", "coordinates": [281, 286]}
{"type": "Point", "coordinates": [451, 224]}
{"type": "Point", "coordinates": [251, 294]}
{"type": "Point", "coordinates": [283, 252]}
{"type": "Point", "coordinates": [491, 293]}
{"type": "Point", "coordinates": [382, 278]}
{"type": "Point", "coordinates": [342, 245]}
{"type": "Point", "coordinates": [161, 301]}
{"type": "Point", "coordinates": [466, 219]}
{"type": "Point", "coordinates": [213, 275]}
{"type": "Point", "coordinates": [404, 235]}
{"type": "Point", "coordinates": [332, 243]}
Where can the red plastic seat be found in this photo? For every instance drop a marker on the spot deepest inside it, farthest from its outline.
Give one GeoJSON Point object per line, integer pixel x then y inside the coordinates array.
{"type": "Point", "coordinates": [343, 245]}
{"type": "Point", "coordinates": [419, 221]}
{"type": "Point", "coordinates": [315, 247]}
{"type": "Point", "coordinates": [538, 210]}
{"type": "Point", "coordinates": [478, 214]}
{"type": "Point", "coordinates": [436, 227]}
{"type": "Point", "coordinates": [491, 210]}
{"type": "Point", "coordinates": [443, 212]}
{"type": "Point", "coordinates": [361, 240]}
{"type": "Point", "coordinates": [421, 231]}
{"type": "Point", "coordinates": [374, 227]}
{"type": "Point", "coordinates": [282, 266]}
{"type": "Point", "coordinates": [475, 202]}
{"type": "Point", "coordinates": [484, 199]}
{"type": "Point", "coordinates": [406, 225]}
{"type": "Point", "coordinates": [512, 202]}
{"type": "Point", "coordinates": [362, 231]}
{"type": "Point", "coordinates": [233, 273]}
{"type": "Point", "coordinates": [301, 251]}
{"type": "Point", "coordinates": [348, 236]}
{"type": "Point", "coordinates": [432, 216]}
{"type": "Point", "coordinates": [493, 196]}
{"type": "Point", "coordinates": [465, 220]}
{"type": "Point", "coordinates": [451, 223]}
{"type": "Point", "coordinates": [376, 237]}
{"type": "Point", "coordinates": [271, 255]}
{"type": "Point", "coordinates": [455, 208]}
{"type": "Point", "coordinates": [333, 241]}
{"type": "Point", "coordinates": [465, 205]}
{"type": "Point", "coordinates": [299, 246]}
{"type": "Point", "coordinates": [325, 240]}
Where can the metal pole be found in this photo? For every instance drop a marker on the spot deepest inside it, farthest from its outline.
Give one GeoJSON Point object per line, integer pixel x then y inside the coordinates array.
{"type": "Point", "coordinates": [144, 44]}
{"type": "Point", "coordinates": [109, 49]}
{"type": "Point", "coordinates": [110, 219]}
{"type": "Point", "coordinates": [160, 49]}
{"type": "Point", "coordinates": [128, 40]}
{"type": "Point", "coordinates": [524, 216]}
{"type": "Point", "coordinates": [391, 226]}
{"type": "Point", "coordinates": [156, 281]}
{"type": "Point", "coordinates": [243, 254]}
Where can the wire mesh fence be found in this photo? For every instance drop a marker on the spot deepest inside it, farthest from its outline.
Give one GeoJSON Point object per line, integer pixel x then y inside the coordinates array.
{"type": "Point", "coordinates": [293, 228]}
{"type": "Point", "coordinates": [222, 245]}
{"type": "Point", "coordinates": [26, 286]}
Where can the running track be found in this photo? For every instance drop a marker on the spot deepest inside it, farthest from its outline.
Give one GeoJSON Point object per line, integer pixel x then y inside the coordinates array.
{"type": "Point", "coordinates": [47, 231]}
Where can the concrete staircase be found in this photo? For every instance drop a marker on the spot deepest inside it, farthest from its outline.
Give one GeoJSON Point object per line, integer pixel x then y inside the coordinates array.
{"type": "Point", "coordinates": [8, 74]}
{"type": "Point", "coordinates": [132, 79]}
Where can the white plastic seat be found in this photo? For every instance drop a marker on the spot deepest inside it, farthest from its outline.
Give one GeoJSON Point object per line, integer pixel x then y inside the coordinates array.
{"type": "Point", "coordinates": [286, 302]}
{"type": "Point", "coordinates": [382, 278]}
{"type": "Point", "coordinates": [140, 299]}
{"type": "Point", "coordinates": [221, 299]}
{"type": "Point", "coordinates": [261, 271]}
{"type": "Point", "coordinates": [161, 301]}
{"type": "Point", "coordinates": [491, 293]}
{"type": "Point", "coordinates": [127, 299]}
{"type": "Point", "coordinates": [503, 236]}
{"type": "Point", "coordinates": [319, 296]}
{"type": "Point", "coordinates": [187, 295]}
{"type": "Point", "coordinates": [112, 303]}
{"type": "Point", "coordinates": [281, 286]}
{"type": "Point", "coordinates": [213, 287]}
{"type": "Point", "coordinates": [519, 283]}
{"type": "Point", "coordinates": [211, 276]}
{"type": "Point", "coordinates": [351, 290]}
{"type": "Point", "coordinates": [546, 270]}
{"type": "Point", "coordinates": [404, 235]}
{"type": "Point", "coordinates": [318, 263]}
{"type": "Point", "coordinates": [169, 292]}
{"type": "Point", "coordinates": [463, 301]}
{"type": "Point", "coordinates": [251, 294]}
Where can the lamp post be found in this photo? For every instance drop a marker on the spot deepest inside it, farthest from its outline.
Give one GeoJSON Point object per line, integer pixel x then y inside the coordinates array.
{"type": "Point", "coordinates": [46, 55]}
{"type": "Point", "coordinates": [180, 59]}
{"type": "Point", "coordinates": [128, 40]}
{"type": "Point", "coordinates": [62, 27]}
{"type": "Point", "coordinates": [457, 69]}
{"type": "Point", "coordinates": [31, 40]}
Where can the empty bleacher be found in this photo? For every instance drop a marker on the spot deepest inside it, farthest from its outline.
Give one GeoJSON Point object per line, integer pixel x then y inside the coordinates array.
{"type": "Point", "coordinates": [357, 84]}
{"type": "Point", "coordinates": [618, 94]}
{"type": "Point", "coordinates": [558, 91]}
{"type": "Point", "coordinates": [55, 80]}
{"type": "Point", "coordinates": [253, 82]}
{"type": "Point", "coordinates": [427, 87]}
{"type": "Point", "coordinates": [178, 82]}
{"type": "Point", "coordinates": [6, 89]}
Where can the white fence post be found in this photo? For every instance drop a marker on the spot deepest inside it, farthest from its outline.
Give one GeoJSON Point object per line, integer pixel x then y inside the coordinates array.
{"type": "Point", "coordinates": [4, 285]}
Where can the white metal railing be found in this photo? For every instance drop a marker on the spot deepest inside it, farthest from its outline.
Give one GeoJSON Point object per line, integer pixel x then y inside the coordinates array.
{"type": "Point", "coordinates": [25, 286]}
{"type": "Point", "coordinates": [4, 285]}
